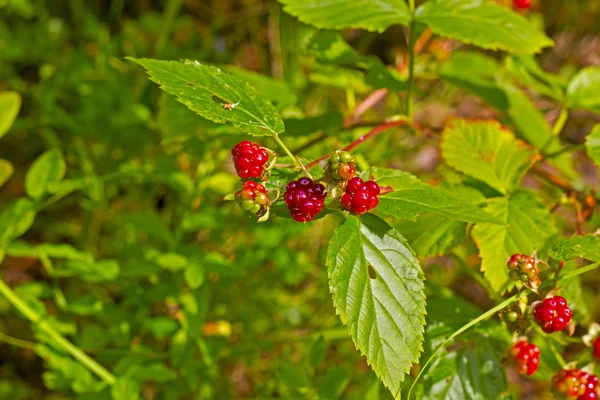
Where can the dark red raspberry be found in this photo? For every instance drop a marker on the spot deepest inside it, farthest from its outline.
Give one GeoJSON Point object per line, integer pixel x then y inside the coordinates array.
{"type": "Point", "coordinates": [360, 196]}
{"type": "Point", "coordinates": [525, 357]}
{"type": "Point", "coordinates": [522, 4]}
{"type": "Point", "coordinates": [304, 199]}
{"type": "Point", "coordinates": [575, 384]}
{"type": "Point", "coordinates": [249, 159]}
{"type": "Point", "coordinates": [253, 197]}
{"type": "Point", "coordinates": [597, 347]}
{"type": "Point", "coordinates": [553, 314]}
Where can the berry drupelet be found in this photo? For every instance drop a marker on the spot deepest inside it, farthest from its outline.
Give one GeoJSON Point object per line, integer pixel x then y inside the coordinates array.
{"type": "Point", "coordinates": [553, 314]}
{"type": "Point", "coordinates": [575, 384]}
{"type": "Point", "coordinates": [304, 199]}
{"type": "Point", "coordinates": [522, 4]}
{"type": "Point", "coordinates": [525, 357]}
{"type": "Point", "coordinates": [360, 196]}
{"type": "Point", "coordinates": [253, 197]}
{"type": "Point", "coordinates": [249, 159]}
{"type": "Point", "coordinates": [341, 165]}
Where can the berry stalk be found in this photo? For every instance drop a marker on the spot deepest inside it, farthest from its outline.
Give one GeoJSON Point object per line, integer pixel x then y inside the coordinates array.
{"type": "Point", "coordinates": [295, 159]}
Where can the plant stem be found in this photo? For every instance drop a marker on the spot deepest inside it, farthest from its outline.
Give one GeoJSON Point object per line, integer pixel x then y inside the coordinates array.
{"type": "Point", "coordinates": [56, 337]}
{"type": "Point", "coordinates": [16, 342]}
{"type": "Point", "coordinates": [292, 156]}
{"type": "Point", "coordinates": [492, 312]}
{"type": "Point", "coordinates": [557, 128]}
{"type": "Point", "coordinates": [411, 67]}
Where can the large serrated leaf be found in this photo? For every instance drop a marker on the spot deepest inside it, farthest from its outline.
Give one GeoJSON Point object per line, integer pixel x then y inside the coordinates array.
{"type": "Point", "coordinates": [410, 197]}
{"type": "Point", "coordinates": [432, 235]}
{"type": "Point", "coordinates": [377, 287]}
{"type": "Point", "coordinates": [215, 95]}
{"type": "Point", "coordinates": [372, 15]}
{"type": "Point", "coordinates": [483, 24]}
{"type": "Point", "coordinates": [592, 144]}
{"type": "Point", "coordinates": [583, 89]}
{"type": "Point", "coordinates": [528, 224]}
{"type": "Point", "coordinates": [587, 247]}
{"type": "Point", "coordinates": [486, 151]}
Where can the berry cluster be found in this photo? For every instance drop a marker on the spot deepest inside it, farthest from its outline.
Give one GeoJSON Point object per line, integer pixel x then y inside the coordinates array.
{"type": "Point", "coordinates": [341, 166]}
{"type": "Point", "coordinates": [249, 159]}
{"type": "Point", "coordinates": [360, 196]}
{"type": "Point", "coordinates": [553, 314]}
{"type": "Point", "coordinates": [304, 199]}
{"type": "Point", "coordinates": [525, 357]}
{"type": "Point", "coordinates": [522, 4]}
{"type": "Point", "coordinates": [253, 197]}
{"type": "Point", "coordinates": [575, 384]}
{"type": "Point", "coordinates": [523, 268]}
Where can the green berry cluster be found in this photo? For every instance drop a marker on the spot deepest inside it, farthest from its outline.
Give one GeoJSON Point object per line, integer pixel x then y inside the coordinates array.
{"type": "Point", "coordinates": [523, 268]}
{"type": "Point", "coordinates": [342, 166]}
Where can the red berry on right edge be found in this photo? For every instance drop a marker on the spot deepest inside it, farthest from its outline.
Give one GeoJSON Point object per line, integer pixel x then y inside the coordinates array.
{"type": "Point", "coordinates": [360, 196]}
{"type": "Point", "coordinates": [575, 384]}
{"type": "Point", "coordinates": [553, 314]}
{"type": "Point", "coordinates": [249, 159]}
{"type": "Point", "coordinates": [525, 357]}
{"type": "Point", "coordinates": [304, 199]}
{"type": "Point", "coordinates": [522, 4]}
{"type": "Point", "coordinates": [597, 348]}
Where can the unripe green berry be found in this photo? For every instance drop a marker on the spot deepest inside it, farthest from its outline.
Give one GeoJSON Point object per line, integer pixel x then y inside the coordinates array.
{"type": "Point", "coordinates": [247, 204]}
{"type": "Point", "coordinates": [261, 199]}
{"type": "Point", "coordinates": [512, 316]}
{"type": "Point", "coordinates": [524, 278]}
{"type": "Point", "coordinates": [531, 274]}
{"type": "Point", "coordinates": [247, 194]}
{"type": "Point", "coordinates": [346, 157]}
{"type": "Point", "coordinates": [514, 275]}
{"type": "Point", "coordinates": [336, 174]}
{"type": "Point", "coordinates": [335, 158]}
{"type": "Point", "coordinates": [255, 209]}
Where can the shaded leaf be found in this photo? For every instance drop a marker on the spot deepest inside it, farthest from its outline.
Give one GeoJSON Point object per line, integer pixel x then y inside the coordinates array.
{"type": "Point", "coordinates": [6, 171]}
{"type": "Point", "coordinates": [10, 103]}
{"type": "Point", "coordinates": [486, 151]}
{"type": "Point", "coordinates": [587, 247]}
{"type": "Point", "coordinates": [194, 275]}
{"type": "Point", "coordinates": [527, 71]}
{"type": "Point", "coordinates": [483, 24]}
{"type": "Point", "coordinates": [15, 220]}
{"type": "Point", "coordinates": [206, 90]}
{"type": "Point", "coordinates": [528, 226]}
{"type": "Point", "coordinates": [432, 235]}
{"type": "Point", "coordinates": [377, 288]}
{"type": "Point", "coordinates": [49, 169]}
{"type": "Point", "coordinates": [583, 90]}
{"type": "Point", "coordinates": [592, 144]}
{"type": "Point", "coordinates": [334, 382]}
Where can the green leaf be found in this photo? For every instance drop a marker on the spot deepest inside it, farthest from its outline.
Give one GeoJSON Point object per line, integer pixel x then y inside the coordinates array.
{"type": "Point", "coordinates": [583, 90]}
{"type": "Point", "coordinates": [483, 24]}
{"type": "Point", "coordinates": [10, 103]}
{"type": "Point", "coordinates": [172, 261]}
{"type": "Point", "coordinates": [372, 15]}
{"type": "Point", "coordinates": [331, 48]}
{"type": "Point", "coordinates": [194, 275]}
{"type": "Point", "coordinates": [278, 92]}
{"type": "Point", "coordinates": [433, 235]}
{"type": "Point", "coordinates": [49, 169]}
{"type": "Point", "coordinates": [377, 288]}
{"type": "Point", "coordinates": [528, 224]}
{"type": "Point", "coordinates": [150, 223]}
{"type": "Point", "coordinates": [592, 144]}
{"type": "Point", "coordinates": [334, 382]}
{"type": "Point", "coordinates": [411, 197]}
{"type": "Point", "coordinates": [318, 351]}
{"type": "Point", "coordinates": [206, 89]}
{"type": "Point", "coordinates": [486, 151]}
{"type": "Point", "coordinates": [528, 72]}
{"type": "Point", "coordinates": [99, 271]}
{"type": "Point", "coordinates": [15, 220]}
{"type": "Point", "coordinates": [125, 389]}
{"type": "Point", "coordinates": [587, 247]}
{"type": "Point", "coordinates": [6, 171]}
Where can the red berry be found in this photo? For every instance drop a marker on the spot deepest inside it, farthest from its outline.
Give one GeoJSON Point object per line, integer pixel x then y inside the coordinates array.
{"type": "Point", "coordinates": [553, 314]}
{"type": "Point", "coordinates": [525, 357]}
{"type": "Point", "coordinates": [360, 196]}
{"type": "Point", "coordinates": [522, 4]}
{"type": "Point", "coordinates": [597, 348]}
{"type": "Point", "coordinates": [249, 159]}
{"type": "Point", "coordinates": [304, 199]}
{"type": "Point", "coordinates": [253, 197]}
{"type": "Point", "coordinates": [346, 171]}
{"type": "Point", "coordinates": [353, 184]}
{"type": "Point", "coordinates": [576, 384]}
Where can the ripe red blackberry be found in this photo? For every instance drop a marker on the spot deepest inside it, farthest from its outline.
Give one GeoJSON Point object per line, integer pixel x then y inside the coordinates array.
{"type": "Point", "coordinates": [360, 196]}
{"type": "Point", "coordinates": [553, 314]}
{"type": "Point", "coordinates": [304, 199]}
{"type": "Point", "coordinates": [597, 347]}
{"type": "Point", "coordinates": [575, 384]}
{"type": "Point", "coordinates": [249, 159]}
{"type": "Point", "coordinates": [525, 357]}
{"type": "Point", "coordinates": [522, 4]}
{"type": "Point", "coordinates": [253, 197]}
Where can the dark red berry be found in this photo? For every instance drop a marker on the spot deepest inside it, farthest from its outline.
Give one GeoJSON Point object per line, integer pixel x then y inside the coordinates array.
{"type": "Point", "coordinates": [597, 348]}
{"type": "Point", "coordinates": [360, 196]}
{"type": "Point", "coordinates": [522, 4]}
{"type": "Point", "coordinates": [304, 199]}
{"type": "Point", "coordinates": [525, 357]}
{"type": "Point", "coordinates": [249, 159]}
{"type": "Point", "coordinates": [553, 314]}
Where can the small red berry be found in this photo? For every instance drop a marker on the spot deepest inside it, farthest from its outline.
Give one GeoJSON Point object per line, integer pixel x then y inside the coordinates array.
{"type": "Point", "coordinates": [576, 384]}
{"type": "Point", "coordinates": [346, 171]}
{"type": "Point", "coordinates": [253, 197]}
{"type": "Point", "coordinates": [525, 357]}
{"type": "Point", "coordinates": [304, 199]}
{"type": "Point", "coordinates": [522, 4]}
{"type": "Point", "coordinates": [597, 348]}
{"type": "Point", "coordinates": [553, 314]}
{"type": "Point", "coordinates": [249, 159]}
{"type": "Point", "coordinates": [360, 196]}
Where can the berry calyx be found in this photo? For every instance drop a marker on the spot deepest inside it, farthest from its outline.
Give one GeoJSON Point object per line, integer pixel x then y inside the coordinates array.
{"type": "Point", "coordinates": [597, 348]}
{"type": "Point", "coordinates": [522, 4]}
{"type": "Point", "coordinates": [525, 357]}
{"type": "Point", "coordinates": [553, 314]}
{"type": "Point", "coordinates": [249, 159]}
{"type": "Point", "coordinates": [575, 384]}
{"type": "Point", "coordinates": [253, 197]}
{"type": "Point", "coordinates": [523, 268]}
{"type": "Point", "coordinates": [304, 199]}
{"type": "Point", "coordinates": [360, 196]}
{"type": "Point", "coordinates": [342, 166]}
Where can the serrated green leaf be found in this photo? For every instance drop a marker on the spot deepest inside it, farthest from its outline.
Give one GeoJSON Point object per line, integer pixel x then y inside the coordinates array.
{"type": "Point", "coordinates": [486, 151]}
{"type": "Point", "coordinates": [483, 24]}
{"type": "Point", "coordinates": [587, 247]}
{"type": "Point", "coordinates": [528, 224]}
{"type": "Point", "coordinates": [592, 144]}
{"type": "Point", "coordinates": [432, 235]}
{"type": "Point", "coordinates": [15, 220]}
{"type": "Point", "coordinates": [527, 71]}
{"type": "Point", "coordinates": [206, 90]}
{"type": "Point", "coordinates": [47, 170]}
{"type": "Point", "coordinates": [377, 288]}
{"type": "Point", "coordinates": [411, 197]}
{"type": "Point", "coordinates": [583, 90]}
{"type": "Point", "coordinates": [6, 171]}
{"type": "Point", "coordinates": [10, 103]}
{"type": "Point", "coordinates": [372, 15]}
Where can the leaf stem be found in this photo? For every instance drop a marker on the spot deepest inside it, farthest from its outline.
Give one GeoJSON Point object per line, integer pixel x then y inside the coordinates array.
{"type": "Point", "coordinates": [411, 67]}
{"type": "Point", "coordinates": [56, 337]}
{"type": "Point", "coordinates": [16, 342]}
{"type": "Point", "coordinates": [493, 311]}
{"type": "Point", "coordinates": [557, 128]}
{"type": "Point", "coordinates": [291, 155]}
